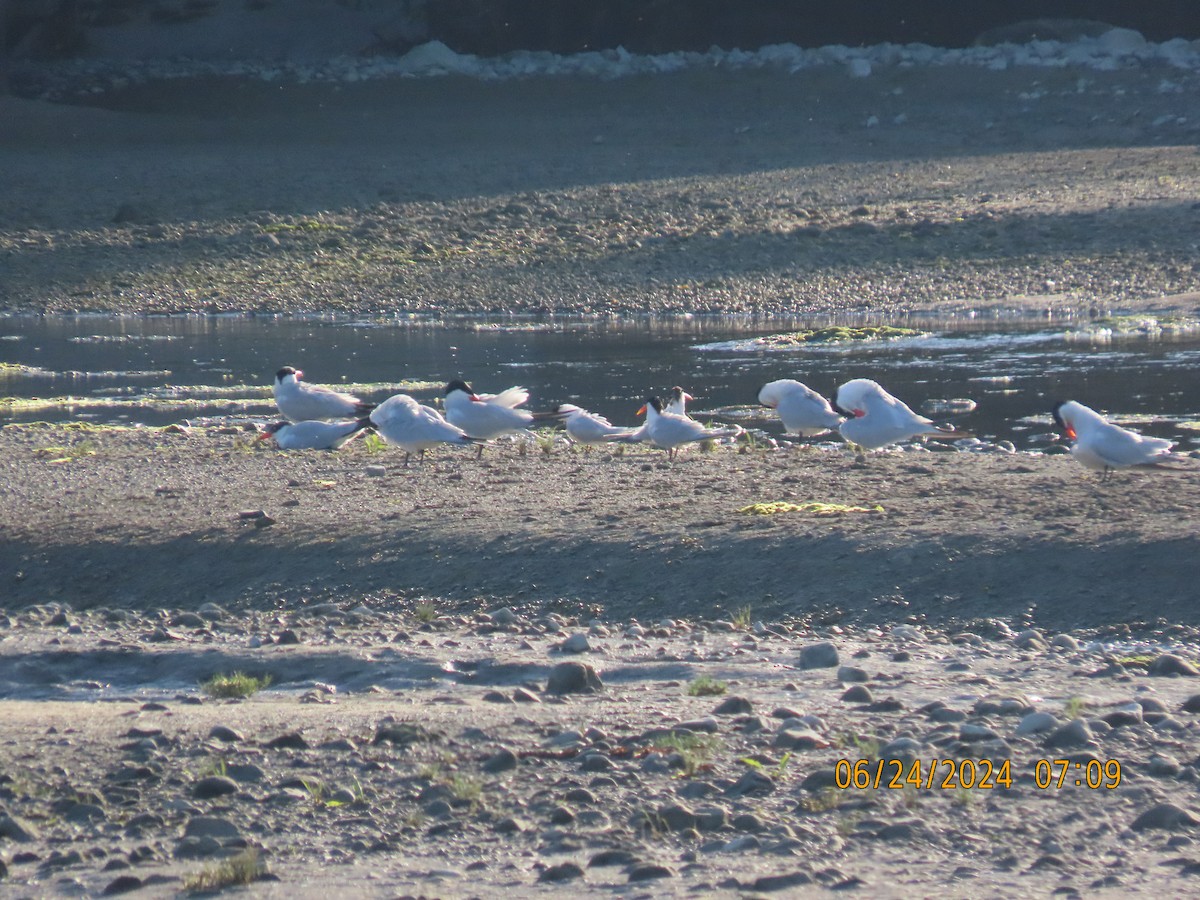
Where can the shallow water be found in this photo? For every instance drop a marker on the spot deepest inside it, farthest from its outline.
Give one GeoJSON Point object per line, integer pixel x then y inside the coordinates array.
{"type": "Point", "coordinates": [158, 370]}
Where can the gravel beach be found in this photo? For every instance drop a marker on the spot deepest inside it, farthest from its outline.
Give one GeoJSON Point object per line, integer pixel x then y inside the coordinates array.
{"type": "Point", "coordinates": [594, 672]}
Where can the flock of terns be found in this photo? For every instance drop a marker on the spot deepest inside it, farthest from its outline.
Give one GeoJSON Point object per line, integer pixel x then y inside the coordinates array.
{"type": "Point", "coordinates": [320, 418]}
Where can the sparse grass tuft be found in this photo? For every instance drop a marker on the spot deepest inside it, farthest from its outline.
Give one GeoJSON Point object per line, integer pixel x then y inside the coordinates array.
{"type": "Point", "coordinates": [742, 617]}
{"type": "Point", "coordinates": [425, 612]}
{"type": "Point", "coordinates": [1074, 707]}
{"type": "Point", "coordinates": [706, 686]}
{"type": "Point", "coordinates": [244, 868]}
{"type": "Point", "coordinates": [373, 443]}
{"type": "Point", "coordinates": [695, 750]}
{"type": "Point", "coordinates": [822, 801]}
{"type": "Point", "coordinates": [236, 685]}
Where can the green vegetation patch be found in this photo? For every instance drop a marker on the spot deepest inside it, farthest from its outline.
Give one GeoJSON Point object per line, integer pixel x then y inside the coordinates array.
{"type": "Point", "coordinates": [303, 225]}
{"type": "Point", "coordinates": [706, 686]}
{"type": "Point", "coordinates": [836, 334]}
{"type": "Point", "coordinates": [235, 685]}
{"type": "Point", "coordinates": [244, 868]}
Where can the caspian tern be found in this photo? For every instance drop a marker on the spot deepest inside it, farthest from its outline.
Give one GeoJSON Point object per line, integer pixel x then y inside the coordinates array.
{"type": "Point", "coordinates": [313, 435]}
{"type": "Point", "coordinates": [403, 422]}
{"type": "Point", "coordinates": [1102, 446]}
{"type": "Point", "coordinates": [671, 431]}
{"type": "Point", "coordinates": [679, 401]}
{"type": "Point", "coordinates": [589, 429]}
{"type": "Point", "coordinates": [801, 409]}
{"type": "Point", "coordinates": [487, 416]}
{"type": "Point", "coordinates": [875, 418]}
{"type": "Point", "coordinates": [301, 402]}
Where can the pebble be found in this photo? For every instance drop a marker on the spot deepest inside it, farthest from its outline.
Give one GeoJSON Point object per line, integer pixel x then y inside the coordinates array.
{"type": "Point", "coordinates": [852, 674]}
{"type": "Point", "coordinates": [1165, 816]}
{"type": "Point", "coordinates": [567, 871]}
{"type": "Point", "coordinates": [576, 643]}
{"type": "Point", "coordinates": [1168, 664]}
{"type": "Point", "coordinates": [733, 706]}
{"type": "Point", "coordinates": [1037, 723]}
{"type": "Point", "coordinates": [1074, 734]}
{"type": "Point", "coordinates": [503, 760]}
{"type": "Point", "coordinates": [573, 678]}
{"type": "Point", "coordinates": [818, 656]}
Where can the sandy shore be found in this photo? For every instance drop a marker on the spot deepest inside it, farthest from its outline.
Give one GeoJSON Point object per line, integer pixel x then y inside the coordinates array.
{"type": "Point", "coordinates": [988, 588]}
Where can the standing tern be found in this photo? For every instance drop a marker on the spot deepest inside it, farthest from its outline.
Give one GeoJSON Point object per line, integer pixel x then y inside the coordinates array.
{"type": "Point", "coordinates": [313, 435]}
{"type": "Point", "coordinates": [1102, 446]}
{"type": "Point", "coordinates": [875, 418]}
{"type": "Point", "coordinates": [801, 409]}
{"type": "Point", "coordinates": [589, 429]}
{"type": "Point", "coordinates": [487, 416]}
{"type": "Point", "coordinates": [679, 401]}
{"type": "Point", "coordinates": [670, 431]}
{"type": "Point", "coordinates": [302, 402]}
{"type": "Point", "coordinates": [403, 422]}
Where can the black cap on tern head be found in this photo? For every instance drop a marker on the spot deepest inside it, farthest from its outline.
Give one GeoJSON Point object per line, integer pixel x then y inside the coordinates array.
{"type": "Point", "coordinates": [458, 386]}
{"type": "Point", "coordinates": [276, 426]}
{"type": "Point", "coordinates": [1055, 412]}
{"type": "Point", "coordinates": [654, 402]}
{"type": "Point", "coordinates": [285, 371]}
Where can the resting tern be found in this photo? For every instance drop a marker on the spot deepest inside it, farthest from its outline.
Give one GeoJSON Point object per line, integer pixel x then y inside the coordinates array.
{"type": "Point", "coordinates": [301, 402]}
{"type": "Point", "coordinates": [403, 422]}
{"type": "Point", "coordinates": [487, 416]}
{"type": "Point", "coordinates": [802, 410]}
{"type": "Point", "coordinates": [313, 435]}
{"type": "Point", "coordinates": [679, 401]}
{"type": "Point", "coordinates": [671, 431]}
{"type": "Point", "coordinates": [875, 418]}
{"type": "Point", "coordinates": [1102, 446]}
{"type": "Point", "coordinates": [588, 428]}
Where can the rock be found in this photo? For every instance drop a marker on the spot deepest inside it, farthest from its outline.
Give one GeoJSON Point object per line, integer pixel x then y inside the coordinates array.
{"type": "Point", "coordinates": [1168, 664]}
{"type": "Point", "coordinates": [612, 858]}
{"type": "Point", "coordinates": [511, 825]}
{"type": "Point", "coordinates": [852, 674]}
{"type": "Point", "coordinates": [18, 830]}
{"type": "Point", "coordinates": [122, 884]}
{"type": "Point", "coordinates": [733, 706]}
{"type": "Point", "coordinates": [573, 678]}
{"type": "Point", "coordinates": [524, 695]}
{"type": "Point", "coordinates": [1037, 723]}
{"type": "Point", "coordinates": [82, 813]}
{"type": "Point", "coordinates": [402, 734]}
{"type": "Point", "coordinates": [1074, 734]}
{"type": "Point", "coordinates": [1064, 642]}
{"type": "Point", "coordinates": [858, 693]}
{"type": "Point", "coordinates": [576, 643]}
{"type": "Point", "coordinates": [1166, 816]}
{"type": "Point", "coordinates": [752, 783]}
{"type": "Point", "coordinates": [375, 471]}
{"type": "Point", "coordinates": [504, 616]}
{"type": "Point", "coordinates": [1192, 704]}
{"type": "Point", "coordinates": [245, 773]}
{"type": "Point", "coordinates": [1030, 639]}
{"type": "Point", "coordinates": [214, 786]}
{"type": "Point", "coordinates": [211, 827]}
{"type": "Point", "coordinates": [287, 637]}
{"type": "Point", "coordinates": [649, 872]}
{"type": "Point", "coordinates": [768, 883]}
{"type": "Point", "coordinates": [818, 656]}
{"type": "Point", "coordinates": [567, 871]}
{"type": "Point", "coordinates": [677, 817]}
{"type": "Point", "coordinates": [225, 734]}
{"type": "Point", "coordinates": [596, 762]}
{"type": "Point", "coordinates": [291, 741]}
{"type": "Point", "coordinates": [503, 760]}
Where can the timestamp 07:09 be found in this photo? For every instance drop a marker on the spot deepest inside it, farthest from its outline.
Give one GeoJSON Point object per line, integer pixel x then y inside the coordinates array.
{"type": "Point", "coordinates": [983, 774]}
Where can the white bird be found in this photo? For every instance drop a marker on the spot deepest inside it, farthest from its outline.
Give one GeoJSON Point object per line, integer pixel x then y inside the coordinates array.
{"type": "Point", "coordinates": [588, 428]}
{"type": "Point", "coordinates": [875, 418]}
{"type": "Point", "coordinates": [801, 409]}
{"type": "Point", "coordinates": [403, 422]}
{"type": "Point", "coordinates": [313, 435]}
{"type": "Point", "coordinates": [671, 431]}
{"type": "Point", "coordinates": [1102, 446]}
{"type": "Point", "coordinates": [487, 416]}
{"type": "Point", "coordinates": [679, 401]}
{"type": "Point", "coordinates": [301, 402]}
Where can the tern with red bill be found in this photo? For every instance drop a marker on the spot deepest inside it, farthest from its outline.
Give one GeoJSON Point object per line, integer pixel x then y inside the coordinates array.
{"type": "Point", "coordinates": [670, 431]}
{"type": "Point", "coordinates": [488, 416]}
{"type": "Point", "coordinates": [303, 402]}
{"type": "Point", "coordinates": [801, 409]}
{"type": "Point", "coordinates": [875, 419]}
{"type": "Point", "coordinates": [1102, 446]}
{"type": "Point", "coordinates": [403, 422]}
{"type": "Point", "coordinates": [313, 435]}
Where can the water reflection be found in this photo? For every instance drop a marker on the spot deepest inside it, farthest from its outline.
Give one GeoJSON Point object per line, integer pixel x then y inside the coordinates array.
{"type": "Point", "coordinates": [158, 370]}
